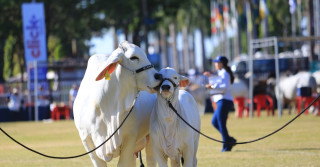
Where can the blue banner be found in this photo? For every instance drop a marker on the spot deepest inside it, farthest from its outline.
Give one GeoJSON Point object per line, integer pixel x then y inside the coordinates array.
{"type": "Point", "coordinates": [34, 32]}
{"type": "Point", "coordinates": [35, 47]}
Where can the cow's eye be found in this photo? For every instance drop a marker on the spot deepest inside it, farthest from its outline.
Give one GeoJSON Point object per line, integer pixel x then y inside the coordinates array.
{"type": "Point", "coordinates": [134, 58]}
{"type": "Point", "coordinates": [175, 77]}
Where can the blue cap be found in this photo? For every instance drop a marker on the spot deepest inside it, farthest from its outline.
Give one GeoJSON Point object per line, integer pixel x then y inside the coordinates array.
{"type": "Point", "coordinates": [221, 59]}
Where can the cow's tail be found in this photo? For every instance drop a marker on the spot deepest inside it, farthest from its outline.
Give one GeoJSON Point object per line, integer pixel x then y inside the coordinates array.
{"type": "Point", "coordinates": [140, 157]}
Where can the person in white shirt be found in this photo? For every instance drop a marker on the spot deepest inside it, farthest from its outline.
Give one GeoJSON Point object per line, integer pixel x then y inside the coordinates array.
{"type": "Point", "coordinates": [14, 103]}
{"type": "Point", "coordinates": [72, 96]}
{"type": "Point", "coordinates": [220, 89]}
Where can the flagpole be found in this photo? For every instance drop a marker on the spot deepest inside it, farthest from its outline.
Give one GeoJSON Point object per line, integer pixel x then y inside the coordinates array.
{"type": "Point", "coordinates": [317, 22]}
{"type": "Point", "coordinates": [299, 13]}
{"type": "Point", "coordinates": [235, 38]}
{"type": "Point", "coordinates": [218, 24]}
{"type": "Point", "coordinates": [212, 21]}
{"type": "Point", "coordinates": [263, 10]}
{"type": "Point", "coordinates": [292, 4]}
{"type": "Point", "coordinates": [249, 23]}
{"type": "Point", "coordinates": [225, 25]}
{"type": "Point", "coordinates": [293, 27]}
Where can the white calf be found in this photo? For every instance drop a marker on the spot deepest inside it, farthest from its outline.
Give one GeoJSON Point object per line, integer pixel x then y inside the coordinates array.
{"type": "Point", "coordinates": [171, 137]}
{"type": "Point", "coordinates": [105, 96]}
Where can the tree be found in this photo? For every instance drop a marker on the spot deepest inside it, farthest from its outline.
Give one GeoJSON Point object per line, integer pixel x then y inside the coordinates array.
{"type": "Point", "coordinates": [9, 48]}
{"type": "Point", "coordinates": [183, 18]}
{"type": "Point", "coordinates": [201, 20]}
{"type": "Point", "coordinates": [167, 15]}
{"type": "Point", "coordinates": [184, 15]}
{"type": "Point", "coordinates": [10, 37]}
{"type": "Point", "coordinates": [66, 21]}
{"type": "Point", "coordinates": [121, 14]}
{"type": "Point", "coordinates": [279, 18]}
{"type": "Point", "coordinates": [76, 21]}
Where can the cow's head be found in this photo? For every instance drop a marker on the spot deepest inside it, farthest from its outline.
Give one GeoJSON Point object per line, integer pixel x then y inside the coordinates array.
{"type": "Point", "coordinates": [171, 81]}
{"type": "Point", "coordinates": [131, 58]}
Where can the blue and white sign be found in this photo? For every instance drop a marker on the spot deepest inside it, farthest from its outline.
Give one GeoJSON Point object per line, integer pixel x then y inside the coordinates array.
{"type": "Point", "coordinates": [35, 47]}
{"type": "Point", "coordinates": [34, 32]}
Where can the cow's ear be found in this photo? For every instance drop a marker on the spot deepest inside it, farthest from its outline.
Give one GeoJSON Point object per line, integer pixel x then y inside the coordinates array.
{"type": "Point", "coordinates": [105, 73]}
{"type": "Point", "coordinates": [184, 81]}
{"type": "Point", "coordinates": [110, 65]}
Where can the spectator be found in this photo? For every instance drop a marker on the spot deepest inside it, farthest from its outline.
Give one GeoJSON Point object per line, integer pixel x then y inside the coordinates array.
{"type": "Point", "coordinates": [43, 95]}
{"type": "Point", "coordinates": [72, 96]}
{"type": "Point", "coordinates": [14, 103]}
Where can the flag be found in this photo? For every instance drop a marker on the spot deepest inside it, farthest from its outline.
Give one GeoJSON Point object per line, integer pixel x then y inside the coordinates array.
{"type": "Point", "coordinates": [218, 19]}
{"type": "Point", "coordinates": [263, 9]}
{"type": "Point", "coordinates": [226, 16]}
{"type": "Point", "coordinates": [213, 18]}
{"type": "Point", "coordinates": [293, 6]}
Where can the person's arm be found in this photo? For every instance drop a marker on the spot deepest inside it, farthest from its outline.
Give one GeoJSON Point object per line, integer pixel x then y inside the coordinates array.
{"type": "Point", "coordinates": [222, 84]}
{"type": "Point", "coordinates": [208, 75]}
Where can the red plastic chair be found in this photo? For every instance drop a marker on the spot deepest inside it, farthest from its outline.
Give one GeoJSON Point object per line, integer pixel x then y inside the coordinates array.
{"type": "Point", "coordinates": [60, 111]}
{"type": "Point", "coordinates": [306, 100]}
{"type": "Point", "coordinates": [240, 101]}
{"type": "Point", "coordinates": [263, 101]}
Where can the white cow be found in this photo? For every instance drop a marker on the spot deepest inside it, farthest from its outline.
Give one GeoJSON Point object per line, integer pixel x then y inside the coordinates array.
{"type": "Point", "coordinates": [316, 76]}
{"type": "Point", "coordinates": [171, 137]}
{"type": "Point", "coordinates": [289, 84]}
{"type": "Point", "coordinates": [239, 88]}
{"type": "Point", "coordinates": [106, 95]}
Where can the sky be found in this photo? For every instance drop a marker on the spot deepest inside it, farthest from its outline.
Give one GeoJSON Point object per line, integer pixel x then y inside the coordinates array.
{"type": "Point", "coordinates": [104, 44]}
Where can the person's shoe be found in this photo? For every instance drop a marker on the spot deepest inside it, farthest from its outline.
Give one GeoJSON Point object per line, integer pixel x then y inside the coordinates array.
{"type": "Point", "coordinates": [229, 146]}
{"type": "Point", "coordinates": [234, 141]}
{"type": "Point", "coordinates": [226, 149]}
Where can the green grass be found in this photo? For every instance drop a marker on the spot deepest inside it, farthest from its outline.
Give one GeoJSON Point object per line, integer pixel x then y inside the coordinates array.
{"type": "Point", "coordinates": [296, 145]}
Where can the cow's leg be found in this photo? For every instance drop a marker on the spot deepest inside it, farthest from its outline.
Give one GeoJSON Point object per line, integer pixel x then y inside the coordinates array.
{"type": "Point", "coordinates": [161, 158]}
{"type": "Point", "coordinates": [188, 160]}
{"type": "Point", "coordinates": [127, 157]}
{"type": "Point", "coordinates": [175, 162]}
{"type": "Point", "coordinates": [195, 161]}
{"type": "Point", "coordinates": [88, 145]}
{"type": "Point", "coordinates": [149, 153]}
{"type": "Point", "coordinates": [188, 156]}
